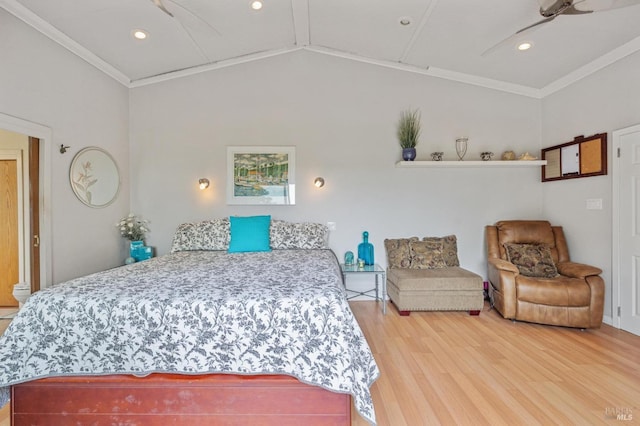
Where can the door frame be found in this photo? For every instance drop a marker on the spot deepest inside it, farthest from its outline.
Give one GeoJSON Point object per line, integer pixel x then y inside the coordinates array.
{"type": "Point", "coordinates": [34, 212]}
{"type": "Point", "coordinates": [45, 135]}
{"type": "Point", "coordinates": [616, 135]}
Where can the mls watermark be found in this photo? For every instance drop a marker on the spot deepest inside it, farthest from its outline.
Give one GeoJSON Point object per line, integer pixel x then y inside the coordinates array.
{"type": "Point", "coordinates": [619, 413]}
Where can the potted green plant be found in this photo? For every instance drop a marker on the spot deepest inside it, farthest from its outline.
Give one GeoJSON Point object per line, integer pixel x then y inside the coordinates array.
{"type": "Point", "coordinates": [408, 131]}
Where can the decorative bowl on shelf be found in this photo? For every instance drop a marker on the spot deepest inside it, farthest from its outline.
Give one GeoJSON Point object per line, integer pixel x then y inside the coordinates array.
{"type": "Point", "coordinates": [527, 157]}
{"type": "Point", "coordinates": [508, 155]}
{"type": "Point", "coordinates": [486, 156]}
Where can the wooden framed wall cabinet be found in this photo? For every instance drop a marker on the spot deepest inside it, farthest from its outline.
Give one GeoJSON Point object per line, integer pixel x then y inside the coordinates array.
{"type": "Point", "coordinates": [582, 157]}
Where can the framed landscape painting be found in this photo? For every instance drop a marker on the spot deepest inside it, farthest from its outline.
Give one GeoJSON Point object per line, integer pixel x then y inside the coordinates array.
{"type": "Point", "coordinates": [261, 175]}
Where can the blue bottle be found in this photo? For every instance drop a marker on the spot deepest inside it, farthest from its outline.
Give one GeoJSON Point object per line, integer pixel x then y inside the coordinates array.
{"type": "Point", "coordinates": [365, 249]}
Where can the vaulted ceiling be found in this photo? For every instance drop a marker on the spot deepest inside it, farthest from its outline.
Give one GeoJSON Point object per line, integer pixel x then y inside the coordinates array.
{"type": "Point", "coordinates": [465, 40]}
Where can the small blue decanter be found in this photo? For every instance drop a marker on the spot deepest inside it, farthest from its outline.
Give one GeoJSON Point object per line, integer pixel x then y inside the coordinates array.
{"type": "Point", "coordinates": [348, 258]}
{"type": "Point", "coordinates": [365, 249]}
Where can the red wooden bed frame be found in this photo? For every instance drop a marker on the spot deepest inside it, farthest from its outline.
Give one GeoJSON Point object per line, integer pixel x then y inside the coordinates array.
{"type": "Point", "coordinates": [174, 399]}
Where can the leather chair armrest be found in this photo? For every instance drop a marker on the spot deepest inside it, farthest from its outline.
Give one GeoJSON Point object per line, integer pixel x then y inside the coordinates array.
{"type": "Point", "coordinates": [502, 275]}
{"type": "Point", "coordinates": [596, 307]}
{"type": "Point", "coordinates": [577, 270]}
{"type": "Point", "coordinates": [503, 265]}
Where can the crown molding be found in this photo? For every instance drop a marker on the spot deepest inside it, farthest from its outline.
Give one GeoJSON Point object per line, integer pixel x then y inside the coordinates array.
{"type": "Point", "coordinates": [33, 20]}
{"type": "Point", "coordinates": [597, 64]}
{"type": "Point", "coordinates": [434, 72]}
{"type": "Point", "coordinates": [210, 67]}
{"type": "Point", "coordinates": [503, 86]}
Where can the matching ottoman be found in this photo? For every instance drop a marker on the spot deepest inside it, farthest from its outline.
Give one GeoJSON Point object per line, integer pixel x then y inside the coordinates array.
{"type": "Point", "coordinates": [441, 289]}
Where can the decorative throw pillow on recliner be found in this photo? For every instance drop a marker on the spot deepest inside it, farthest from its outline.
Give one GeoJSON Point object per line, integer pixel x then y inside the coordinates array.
{"type": "Point", "coordinates": [449, 248]}
{"type": "Point", "coordinates": [398, 252]}
{"type": "Point", "coordinates": [532, 260]}
{"type": "Point", "coordinates": [426, 255]}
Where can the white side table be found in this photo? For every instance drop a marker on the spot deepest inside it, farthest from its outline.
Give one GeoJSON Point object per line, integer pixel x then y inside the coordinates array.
{"type": "Point", "coordinates": [375, 270]}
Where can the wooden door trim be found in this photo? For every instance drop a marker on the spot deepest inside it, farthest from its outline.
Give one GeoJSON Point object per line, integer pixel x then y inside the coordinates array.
{"type": "Point", "coordinates": [34, 212]}
{"type": "Point", "coordinates": [45, 134]}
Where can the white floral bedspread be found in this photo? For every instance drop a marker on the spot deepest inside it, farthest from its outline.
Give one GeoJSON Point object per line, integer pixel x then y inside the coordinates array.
{"type": "Point", "coordinates": [279, 312]}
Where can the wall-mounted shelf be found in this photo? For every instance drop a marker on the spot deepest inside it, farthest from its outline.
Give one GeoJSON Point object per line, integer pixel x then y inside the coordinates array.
{"type": "Point", "coordinates": [468, 164]}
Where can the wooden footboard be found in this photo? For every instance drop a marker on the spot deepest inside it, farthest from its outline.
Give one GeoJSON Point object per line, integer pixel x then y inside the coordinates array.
{"type": "Point", "coordinates": [171, 399]}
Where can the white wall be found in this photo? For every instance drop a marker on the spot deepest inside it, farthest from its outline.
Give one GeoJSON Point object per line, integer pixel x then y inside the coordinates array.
{"type": "Point", "coordinates": [340, 115]}
{"type": "Point", "coordinates": [43, 83]}
{"type": "Point", "coordinates": [603, 102]}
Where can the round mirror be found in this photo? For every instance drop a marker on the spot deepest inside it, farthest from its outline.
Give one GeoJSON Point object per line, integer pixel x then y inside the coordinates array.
{"type": "Point", "coordinates": [94, 177]}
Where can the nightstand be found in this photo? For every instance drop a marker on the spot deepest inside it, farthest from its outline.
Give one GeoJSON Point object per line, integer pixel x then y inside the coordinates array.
{"type": "Point", "coordinates": [375, 270]}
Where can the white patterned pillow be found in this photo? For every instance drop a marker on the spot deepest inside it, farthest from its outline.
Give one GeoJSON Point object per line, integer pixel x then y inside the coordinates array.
{"type": "Point", "coordinates": [215, 235]}
{"type": "Point", "coordinates": [206, 235]}
{"type": "Point", "coordinates": [287, 235]}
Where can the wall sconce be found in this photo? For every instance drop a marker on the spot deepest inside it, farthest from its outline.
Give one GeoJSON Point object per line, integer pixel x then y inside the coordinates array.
{"type": "Point", "coordinates": [204, 183]}
{"type": "Point", "coordinates": [319, 182]}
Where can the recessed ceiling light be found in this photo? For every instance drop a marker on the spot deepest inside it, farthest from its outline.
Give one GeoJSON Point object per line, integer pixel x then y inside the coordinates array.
{"type": "Point", "coordinates": [525, 45]}
{"type": "Point", "coordinates": [140, 34]}
{"type": "Point", "coordinates": [256, 5]}
{"type": "Point", "coordinates": [404, 21]}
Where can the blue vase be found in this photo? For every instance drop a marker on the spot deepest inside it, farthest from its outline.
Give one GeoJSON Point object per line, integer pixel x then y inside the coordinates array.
{"type": "Point", "coordinates": [365, 249]}
{"type": "Point", "coordinates": [348, 258]}
{"type": "Point", "coordinates": [408, 154]}
{"type": "Point", "coordinates": [134, 249]}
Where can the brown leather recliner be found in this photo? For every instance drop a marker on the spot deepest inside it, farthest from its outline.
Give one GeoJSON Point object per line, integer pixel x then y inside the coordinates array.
{"type": "Point", "coordinates": [573, 298]}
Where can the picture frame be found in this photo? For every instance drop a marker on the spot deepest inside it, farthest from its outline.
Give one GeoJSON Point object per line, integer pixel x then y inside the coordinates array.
{"type": "Point", "coordinates": [94, 177]}
{"type": "Point", "coordinates": [261, 175]}
{"type": "Point", "coordinates": [582, 157]}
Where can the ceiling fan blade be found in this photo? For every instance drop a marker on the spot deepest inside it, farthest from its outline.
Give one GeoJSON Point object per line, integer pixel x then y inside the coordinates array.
{"type": "Point", "coordinates": [551, 8]}
{"type": "Point", "coordinates": [573, 11]}
{"type": "Point", "coordinates": [574, 8]}
{"type": "Point", "coordinates": [548, 9]}
{"type": "Point", "coordinates": [190, 20]}
{"type": "Point", "coordinates": [160, 6]}
{"type": "Point", "coordinates": [599, 5]}
{"type": "Point", "coordinates": [542, 21]}
{"type": "Point", "coordinates": [515, 35]}
{"type": "Point", "coordinates": [195, 27]}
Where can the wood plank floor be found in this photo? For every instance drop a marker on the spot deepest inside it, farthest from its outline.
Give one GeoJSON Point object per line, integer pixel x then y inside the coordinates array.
{"type": "Point", "coordinates": [452, 368]}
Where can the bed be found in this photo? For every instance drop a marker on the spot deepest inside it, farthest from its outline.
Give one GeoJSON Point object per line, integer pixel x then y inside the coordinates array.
{"type": "Point", "coordinates": [198, 334]}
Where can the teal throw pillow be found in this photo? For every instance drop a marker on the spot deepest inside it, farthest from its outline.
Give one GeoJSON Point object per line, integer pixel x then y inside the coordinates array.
{"type": "Point", "coordinates": [249, 233]}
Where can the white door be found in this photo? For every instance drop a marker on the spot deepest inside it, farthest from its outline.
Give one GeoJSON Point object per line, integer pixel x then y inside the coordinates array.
{"type": "Point", "coordinates": [627, 181]}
